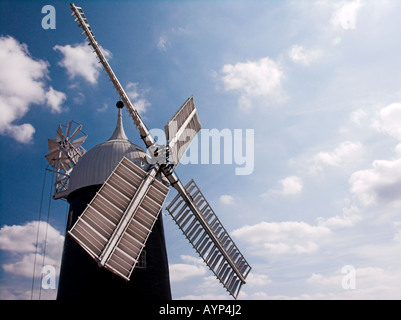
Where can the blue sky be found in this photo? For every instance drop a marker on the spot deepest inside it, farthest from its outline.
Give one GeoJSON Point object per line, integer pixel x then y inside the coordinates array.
{"type": "Point", "coordinates": [317, 81]}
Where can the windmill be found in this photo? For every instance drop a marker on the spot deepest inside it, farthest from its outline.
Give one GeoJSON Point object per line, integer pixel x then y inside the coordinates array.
{"type": "Point", "coordinates": [64, 153]}
{"type": "Point", "coordinates": [116, 224]}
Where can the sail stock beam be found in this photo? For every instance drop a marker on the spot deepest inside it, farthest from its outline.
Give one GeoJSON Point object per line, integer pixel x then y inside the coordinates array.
{"type": "Point", "coordinates": [84, 24]}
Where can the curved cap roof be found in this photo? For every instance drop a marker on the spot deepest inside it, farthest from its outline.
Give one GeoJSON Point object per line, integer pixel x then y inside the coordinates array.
{"type": "Point", "coordinates": [97, 164]}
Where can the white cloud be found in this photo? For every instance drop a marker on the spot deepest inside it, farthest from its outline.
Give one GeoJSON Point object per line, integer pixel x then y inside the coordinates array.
{"type": "Point", "coordinates": [203, 292]}
{"type": "Point", "coordinates": [345, 16]}
{"type": "Point", "coordinates": [103, 109]}
{"type": "Point", "coordinates": [389, 120]}
{"type": "Point", "coordinates": [79, 97]}
{"type": "Point", "coordinates": [137, 97]}
{"type": "Point", "coordinates": [227, 200]}
{"type": "Point", "coordinates": [349, 218]}
{"type": "Point", "coordinates": [397, 149]}
{"type": "Point", "coordinates": [288, 186]}
{"type": "Point", "coordinates": [255, 279]}
{"type": "Point", "coordinates": [24, 267]}
{"type": "Point", "coordinates": [357, 116]}
{"type": "Point", "coordinates": [182, 271]}
{"type": "Point", "coordinates": [163, 43]}
{"type": "Point", "coordinates": [397, 236]}
{"type": "Point", "coordinates": [22, 83]}
{"type": "Point", "coordinates": [80, 61]}
{"type": "Point", "coordinates": [291, 185]}
{"type": "Point", "coordinates": [19, 243]}
{"type": "Point", "coordinates": [191, 259]}
{"type": "Point", "coordinates": [346, 156]}
{"type": "Point", "coordinates": [331, 280]}
{"type": "Point", "coordinates": [300, 54]}
{"type": "Point", "coordinates": [22, 238]}
{"type": "Point", "coordinates": [55, 99]}
{"type": "Point", "coordinates": [282, 237]}
{"type": "Point", "coordinates": [371, 282]}
{"type": "Point", "coordinates": [253, 79]}
{"type": "Point", "coordinates": [22, 133]}
{"type": "Point", "coordinates": [346, 153]}
{"type": "Point", "coordinates": [380, 184]}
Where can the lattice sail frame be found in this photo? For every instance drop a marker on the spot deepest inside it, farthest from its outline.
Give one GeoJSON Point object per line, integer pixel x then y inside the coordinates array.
{"type": "Point", "coordinates": [217, 250]}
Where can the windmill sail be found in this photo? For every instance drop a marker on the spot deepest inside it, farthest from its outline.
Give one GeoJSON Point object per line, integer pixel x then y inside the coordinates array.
{"type": "Point", "coordinates": [181, 130]}
{"type": "Point", "coordinates": [115, 226]}
{"type": "Point", "coordinates": [203, 229]}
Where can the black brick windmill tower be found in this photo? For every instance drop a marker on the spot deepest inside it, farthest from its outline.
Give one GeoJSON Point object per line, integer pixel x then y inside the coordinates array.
{"type": "Point", "coordinates": [114, 246]}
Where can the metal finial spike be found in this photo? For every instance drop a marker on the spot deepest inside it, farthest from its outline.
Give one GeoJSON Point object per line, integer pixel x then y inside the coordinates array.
{"type": "Point", "coordinates": [119, 133]}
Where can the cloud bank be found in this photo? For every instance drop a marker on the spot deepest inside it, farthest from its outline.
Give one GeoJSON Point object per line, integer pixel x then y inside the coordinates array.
{"type": "Point", "coordinates": [23, 84]}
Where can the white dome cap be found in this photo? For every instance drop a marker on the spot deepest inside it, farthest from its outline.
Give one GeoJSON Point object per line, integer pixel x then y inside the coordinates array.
{"type": "Point", "coordinates": [98, 163]}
